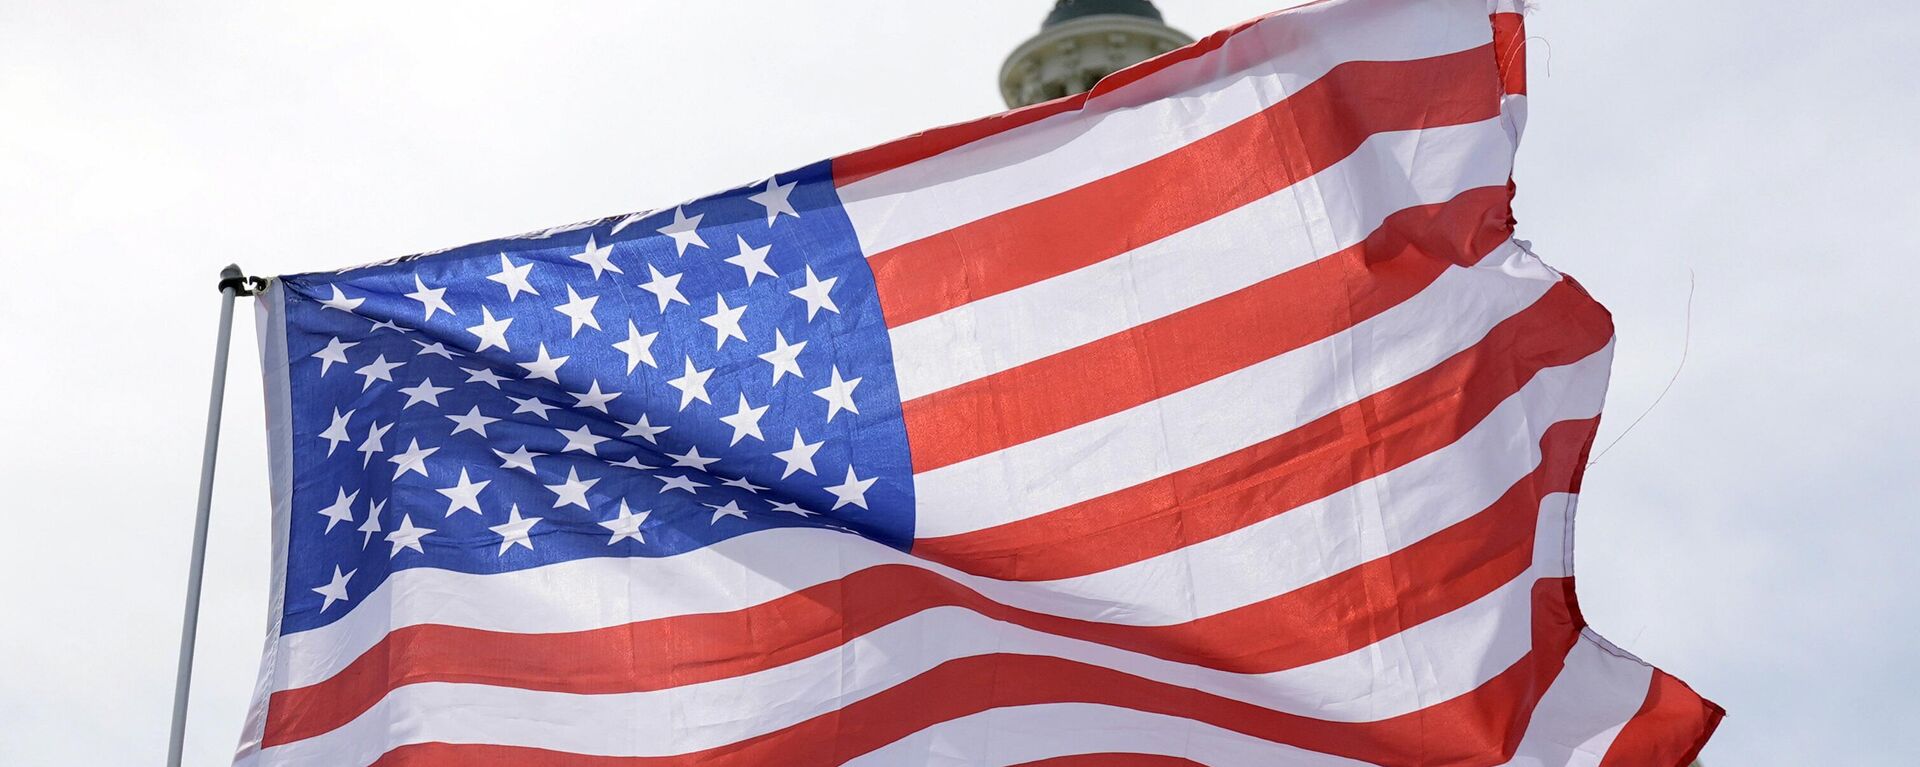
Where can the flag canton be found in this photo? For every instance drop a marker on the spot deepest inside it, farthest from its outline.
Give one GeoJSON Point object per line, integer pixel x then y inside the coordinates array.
{"type": "Point", "coordinates": [637, 386]}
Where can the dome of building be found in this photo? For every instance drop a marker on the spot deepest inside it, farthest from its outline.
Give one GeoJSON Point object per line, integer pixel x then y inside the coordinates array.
{"type": "Point", "coordinates": [1081, 42]}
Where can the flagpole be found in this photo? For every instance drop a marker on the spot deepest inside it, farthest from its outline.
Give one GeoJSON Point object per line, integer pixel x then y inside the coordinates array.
{"type": "Point", "coordinates": [233, 283]}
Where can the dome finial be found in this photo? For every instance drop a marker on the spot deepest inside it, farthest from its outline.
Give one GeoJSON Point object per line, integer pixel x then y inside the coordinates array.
{"type": "Point", "coordinates": [1068, 10]}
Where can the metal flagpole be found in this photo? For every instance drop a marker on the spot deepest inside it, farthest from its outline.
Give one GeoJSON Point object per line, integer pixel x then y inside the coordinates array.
{"type": "Point", "coordinates": [233, 283]}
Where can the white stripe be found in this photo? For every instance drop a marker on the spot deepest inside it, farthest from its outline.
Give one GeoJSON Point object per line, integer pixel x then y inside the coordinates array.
{"type": "Point", "coordinates": [1573, 726]}
{"type": "Point", "coordinates": [1334, 210]}
{"type": "Point", "coordinates": [1164, 111]}
{"type": "Point", "coordinates": [270, 321]}
{"type": "Point", "coordinates": [1420, 666]}
{"type": "Point", "coordinates": [1017, 734]}
{"type": "Point", "coordinates": [1423, 665]}
{"type": "Point", "coordinates": [1513, 115]}
{"type": "Point", "coordinates": [1290, 550]}
{"type": "Point", "coordinates": [1316, 540]}
{"type": "Point", "coordinates": [1233, 411]}
{"type": "Point", "coordinates": [1587, 706]}
{"type": "Point", "coordinates": [1417, 667]}
{"type": "Point", "coordinates": [1506, 6]}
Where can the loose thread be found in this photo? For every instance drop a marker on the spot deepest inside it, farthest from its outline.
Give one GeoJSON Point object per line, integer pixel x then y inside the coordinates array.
{"type": "Point", "coordinates": [1520, 46]}
{"type": "Point", "coordinates": [1686, 345]}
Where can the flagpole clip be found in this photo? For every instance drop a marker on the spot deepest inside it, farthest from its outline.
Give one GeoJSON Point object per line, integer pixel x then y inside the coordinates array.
{"type": "Point", "coordinates": [231, 278]}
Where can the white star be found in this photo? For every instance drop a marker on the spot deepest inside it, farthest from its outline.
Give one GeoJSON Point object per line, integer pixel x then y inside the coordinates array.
{"type": "Point", "coordinates": [464, 494]}
{"type": "Point", "coordinates": [792, 508]}
{"type": "Point", "coordinates": [853, 491]}
{"type": "Point", "coordinates": [545, 367]}
{"type": "Point", "coordinates": [638, 347]}
{"type": "Point", "coordinates": [692, 458]}
{"type": "Point", "coordinates": [473, 421]}
{"type": "Point", "coordinates": [632, 462]}
{"type": "Point", "coordinates": [752, 260]}
{"type": "Point", "coordinates": [598, 257]}
{"type": "Point", "coordinates": [424, 392]}
{"type": "Point", "coordinates": [341, 510]}
{"type": "Point", "coordinates": [436, 348]}
{"type": "Point", "coordinates": [774, 199]}
{"type": "Point", "coordinates": [643, 429]}
{"type": "Point", "coordinates": [817, 294]}
{"type": "Point", "coordinates": [336, 590]}
{"type": "Point", "coordinates": [514, 278]}
{"type": "Point", "coordinates": [514, 532]}
{"type": "Point", "coordinates": [665, 287]}
{"type": "Point", "coordinates": [745, 421]}
{"type": "Point", "coordinates": [372, 443]}
{"type": "Point", "coordinates": [336, 433]}
{"type": "Point", "coordinates": [483, 375]}
{"type": "Point", "coordinates": [414, 460]}
{"type": "Point", "coordinates": [372, 525]}
{"type": "Point", "coordinates": [336, 351]}
{"type": "Point", "coordinates": [433, 299]}
{"type": "Point", "coordinates": [692, 386]}
{"type": "Point", "coordinates": [573, 491]}
{"type": "Point", "coordinates": [583, 440]}
{"type": "Point", "coordinates": [799, 457]}
{"type": "Point", "coordinates": [627, 525]}
{"type": "Point", "coordinates": [378, 370]}
{"type": "Point", "coordinates": [491, 332]}
{"type": "Point", "coordinates": [593, 398]}
{"type": "Point", "coordinates": [725, 321]}
{"type": "Point", "coordinates": [387, 325]}
{"type": "Point", "coordinates": [684, 231]}
{"type": "Point", "coordinates": [579, 310]}
{"type": "Point", "coordinates": [730, 510]}
{"type": "Point", "coordinates": [682, 482]}
{"type": "Point", "coordinates": [785, 357]}
{"type": "Point", "coordinates": [744, 484]}
{"type": "Point", "coordinates": [839, 395]}
{"type": "Point", "coordinates": [518, 459]}
{"type": "Point", "coordinates": [340, 302]}
{"type": "Point", "coordinates": [532, 405]}
{"type": "Point", "coordinates": [406, 536]}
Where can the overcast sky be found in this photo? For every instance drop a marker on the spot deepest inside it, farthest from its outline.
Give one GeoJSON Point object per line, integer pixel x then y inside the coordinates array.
{"type": "Point", "coordinates": [1754, 535]}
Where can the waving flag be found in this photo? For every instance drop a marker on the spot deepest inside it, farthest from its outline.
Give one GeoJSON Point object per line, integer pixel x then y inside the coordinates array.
{"type": "Point", "coordinates": [1212, 418]}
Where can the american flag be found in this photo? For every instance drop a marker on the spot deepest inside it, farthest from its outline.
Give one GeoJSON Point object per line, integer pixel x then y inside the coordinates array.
{"type": "Point", "coordinates": [1214, 418]}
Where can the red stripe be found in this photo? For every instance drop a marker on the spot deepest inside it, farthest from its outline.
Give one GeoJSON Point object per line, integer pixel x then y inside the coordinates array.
{"type": "Point", "coordinates": [1328, 618]}
{"type": "Point", "coordinates": [1409, 250]}
{"type": "Point", "coordinates": [1510, 45]}
{"type": "Point", "coordinates": [1670, 729]}
{"type": "Point", "coordinates": [1482, 727]}
{"type": "Point", "coordinates": [1289, 141]}
{"type": "Point", "coordinates": [875, 160]}
{"type": "Point", "coordinates": [920, 146]}
{"type": "Point", "coordinates": [1353, 444]}
{"type": "Point", "coordinates": [1510, 57]}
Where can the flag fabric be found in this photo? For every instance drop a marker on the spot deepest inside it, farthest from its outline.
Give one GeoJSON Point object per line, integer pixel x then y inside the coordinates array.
{"type": "Point", "coordinates": [1214, 417]}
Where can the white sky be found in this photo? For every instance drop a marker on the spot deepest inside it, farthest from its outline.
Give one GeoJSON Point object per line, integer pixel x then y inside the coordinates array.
{"type": "Point", "coordinates": [1754, 535]}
